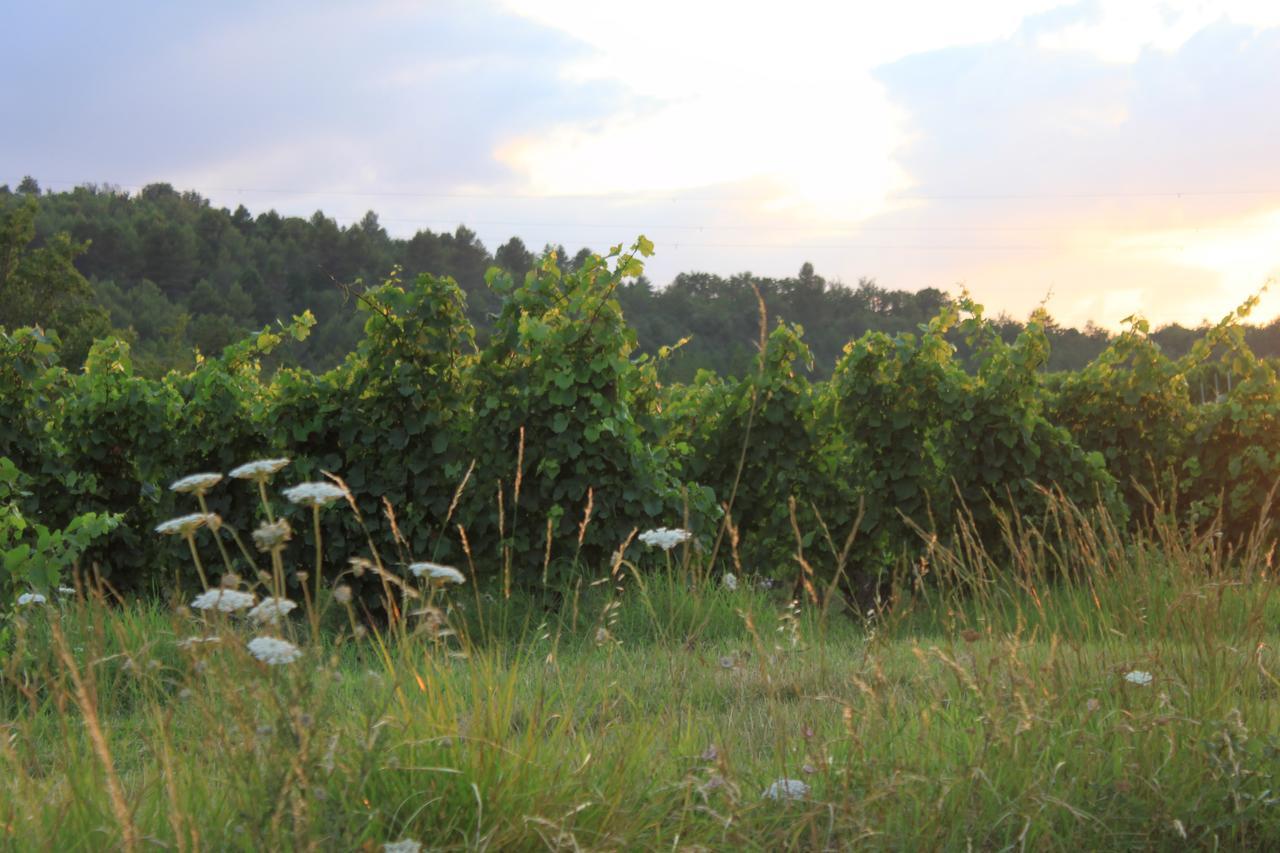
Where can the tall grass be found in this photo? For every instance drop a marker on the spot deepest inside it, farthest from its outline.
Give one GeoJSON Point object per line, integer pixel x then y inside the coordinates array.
{"type": "Point", "coordinates": [994, 698]}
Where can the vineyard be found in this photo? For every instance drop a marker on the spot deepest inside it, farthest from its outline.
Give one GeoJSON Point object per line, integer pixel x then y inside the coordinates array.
{"type": "Point", "coordinates": [540, 451]}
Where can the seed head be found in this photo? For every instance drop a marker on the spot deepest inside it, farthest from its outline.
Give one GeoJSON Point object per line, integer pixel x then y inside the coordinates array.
{"type": "Point", "coordinates": [185, 525]}
{"type": "Point", "coordinates": [314, 494]}
{"type": "Point", "coordinates": [197, 484]}
{"type": "Point", "coordinates": [437, 572]}
{"type": "Point", "coordinates": [259, 470]}
{"type": "Point", "coordinates": [269, 537]}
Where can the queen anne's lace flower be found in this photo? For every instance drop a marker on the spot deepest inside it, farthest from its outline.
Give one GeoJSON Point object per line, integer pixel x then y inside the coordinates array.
{"type": "Point", "coordinates": [314, 494]}
{"type": "Point", "coordinates": [30, 598]}
{"type": "Point", "coordinates": [260, 469]}
{"type": "Point", "coordinates": [664, 538]}
{"type": "Point", "coordinates": [225, 600]}
{"type": "Point", "coordinates": [192, 642]}
{"type": "Point", "coordinates": [787, 789]}
{"type": "Point", "coordinates": [271, 609]}
{"type": "Point", "coordinates": [66, 590]}
{"type": "Point", "coordinates": [185, 525]}
{"type": "Point", "coordinates": [196, 483]}
{"type": "Point", "coordinates": [274, 651]}
{"type": "Point", "coordinates": [408, 845]}
{"type": "Point", "coordinates": [437, 572]}
{"type": "Point", "coordinates": [1138, 677]}
{"type": "Point", "coordinates": [730, 581]}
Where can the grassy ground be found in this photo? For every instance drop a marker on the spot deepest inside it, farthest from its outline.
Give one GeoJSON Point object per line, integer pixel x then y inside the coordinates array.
{"type": "Point", "coordinates": [1117, 693]}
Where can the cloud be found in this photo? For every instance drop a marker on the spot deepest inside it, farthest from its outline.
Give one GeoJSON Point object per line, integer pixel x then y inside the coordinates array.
{"type": "Point", "coordinates": [1099, 171]}
{"type": "Point", "coordinates": [364, 96]}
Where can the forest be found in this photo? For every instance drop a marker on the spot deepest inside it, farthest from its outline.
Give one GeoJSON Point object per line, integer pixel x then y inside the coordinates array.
{"type": "Point", "coordinates": [172, 275]}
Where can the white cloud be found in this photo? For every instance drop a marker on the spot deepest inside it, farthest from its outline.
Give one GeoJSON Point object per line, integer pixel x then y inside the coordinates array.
{"type": "Point", "coordinates": [779, 94]}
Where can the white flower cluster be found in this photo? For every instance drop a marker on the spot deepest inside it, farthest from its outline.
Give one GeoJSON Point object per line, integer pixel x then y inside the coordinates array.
{"type": "Point", "coordinates": [271, 609]}
{"type": "Point", "coordinates": [225, 600]}
{"type": "Point", "coordinates": [185, 525]}
{"type": "Point", "coordinates": [192, 642]}
{"type": "Point", "coordinates": [664, 538]}
{"type": "Point", "coordinates": [408, 845]}
{"type": "Point", "coordinates": [30, 598]}
{"type": "Point", "coordinates": [1138, 677]}
{"type": "Point", "coordinates": [314, 494]}
{"type": "Point", "coordinates": [437, 572]}
{"type": "Point", "coordinates": [260, 469]}
{"type": "Point", "coordinates": [197, 483]}
{"type": "Point", "coordinates": [730, 581]}
{"type": "Point", "coordinates": [273, 651]}
{"type": "Point", "coordinates": [787, 789]}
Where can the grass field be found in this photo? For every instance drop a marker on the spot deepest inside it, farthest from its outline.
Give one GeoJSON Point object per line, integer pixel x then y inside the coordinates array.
{"type": "Point", "coordinates": [1116, 692]}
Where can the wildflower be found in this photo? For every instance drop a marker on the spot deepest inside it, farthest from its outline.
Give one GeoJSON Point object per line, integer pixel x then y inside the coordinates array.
{"type": "Point", "coordinates": [360, 565]}
{"type": "Point", "coordinates": [663, 538]}
{"type": "Point", "coordinates": [271, 609]}
{"type": "Point", "coordinates": [730, 581]}
{"type": "Point", "coordinates": [407, 845]}
{"type": "Point", "coordinates": [185, 525]}
{"type": "Point", "coordinates": [787, 789]}
{"type": "Point", "coordinates": [30, 598]}
{"type": "Point", "coordinates": [437, 572]}
{"type": "Point", "coordinates": [66, 590]}
{"type": "Point", "coordinates": [273, 651]}
{"type": "Point", "coordinates": [225, 600]}
{"type": "Point", "coordinates": [260, 470]}
{"type": "Point", "coordinates": [1138, 677]}
{"type": "Point", "coordinates": [269, 537]}
{"type": "Point", "coordinates": [196, 483]}
{"type": "Point", "coordinates": [314, 494]}
{"type": "Point", "coordinates": [192, 642]}
{"type": "Point", "coordinates": [342, 594]}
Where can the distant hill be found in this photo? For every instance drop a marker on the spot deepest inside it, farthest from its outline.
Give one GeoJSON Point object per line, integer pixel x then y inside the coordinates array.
{"type": "Point", "coordinates": [175, 273]}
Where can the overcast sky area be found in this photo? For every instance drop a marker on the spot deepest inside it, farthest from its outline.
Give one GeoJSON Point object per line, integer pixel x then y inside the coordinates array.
{"type": "Point", "coordinates": [1112, 157]}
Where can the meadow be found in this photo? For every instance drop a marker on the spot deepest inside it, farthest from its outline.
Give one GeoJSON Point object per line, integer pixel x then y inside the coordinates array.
{"type": "Point", "coordinates": [1116, 692]}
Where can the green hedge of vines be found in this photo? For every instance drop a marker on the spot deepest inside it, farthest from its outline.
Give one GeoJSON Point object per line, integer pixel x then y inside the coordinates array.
{"type": "Point", "coordinates": [541, 449]}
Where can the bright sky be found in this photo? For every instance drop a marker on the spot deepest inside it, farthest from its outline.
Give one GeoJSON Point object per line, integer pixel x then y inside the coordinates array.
{"type": "Point", "coordinates": [1113, 157]}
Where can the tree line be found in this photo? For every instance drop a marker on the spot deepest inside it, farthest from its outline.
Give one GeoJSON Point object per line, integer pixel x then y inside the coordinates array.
{"type": "Point", "coordinates": [173, 274]}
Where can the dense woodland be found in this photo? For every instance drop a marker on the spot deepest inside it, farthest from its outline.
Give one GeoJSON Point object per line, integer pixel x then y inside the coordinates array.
{"type": "Point", "coordinates": [173, 274]}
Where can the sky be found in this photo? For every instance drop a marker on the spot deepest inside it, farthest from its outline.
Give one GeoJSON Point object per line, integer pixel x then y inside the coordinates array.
{"type": "Point", "coordinates": [1102, 158]}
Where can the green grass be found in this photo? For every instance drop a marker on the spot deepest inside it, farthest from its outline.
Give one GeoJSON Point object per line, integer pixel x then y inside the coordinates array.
{"type": "Point", "coordinates": [982, 707]}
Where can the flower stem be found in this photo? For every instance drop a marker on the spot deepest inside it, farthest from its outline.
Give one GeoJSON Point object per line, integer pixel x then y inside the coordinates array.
{"type": "Point", "coordinates": [266, 504]}
{"type": "Point", "coordinates": [222, 549]}
{"type": "Point", "coordinates": [315, 518]}
{"type": "Point", "coordinates": [195, 555]}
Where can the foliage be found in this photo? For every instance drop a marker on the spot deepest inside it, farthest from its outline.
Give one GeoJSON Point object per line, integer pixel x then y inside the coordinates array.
{"type": "Point", "coordinates": [558, 425]}
{"type": "Point", "coordinates": [34, 558]}
{"type": "Point", "coordinates": [175, 273]}
{"type": "Point", "coordinates": [40, 286]}
{"type": "Point", "coordinates": [541, 444]}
